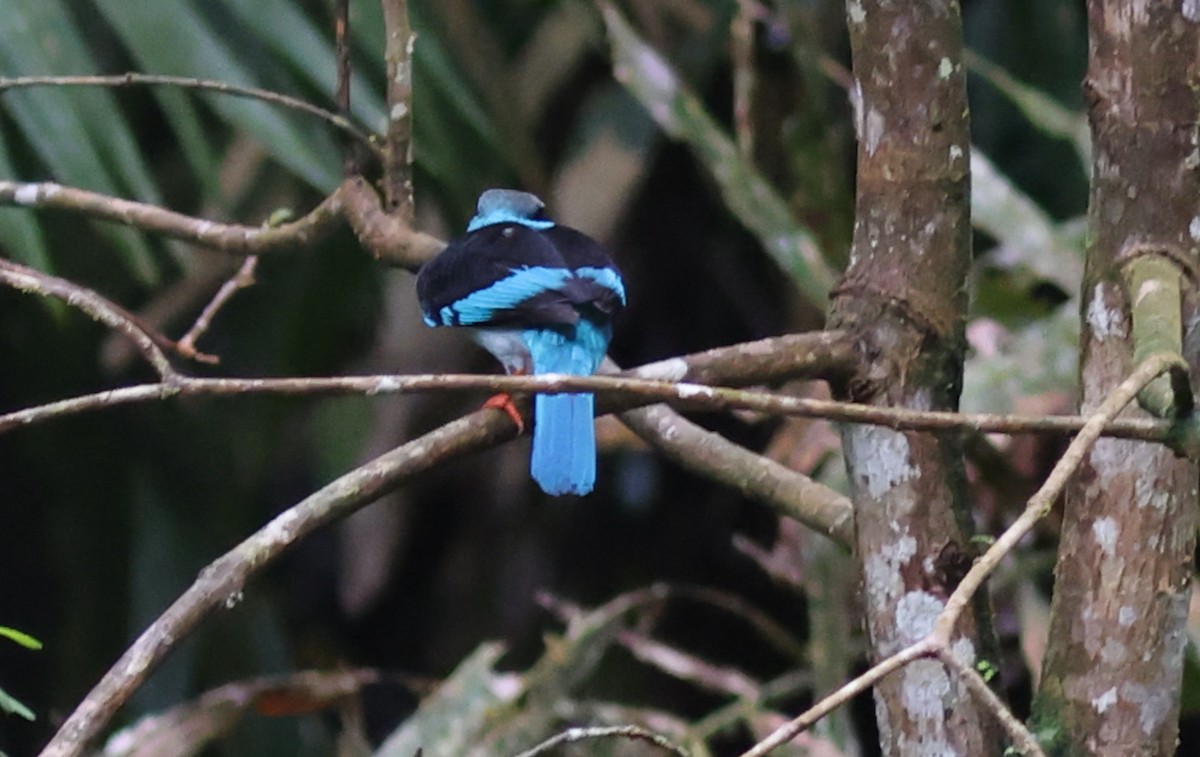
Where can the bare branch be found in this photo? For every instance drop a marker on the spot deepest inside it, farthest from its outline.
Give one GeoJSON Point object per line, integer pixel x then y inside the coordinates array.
{"type": "Point", "coordinates": [720, 679]}
{"type": "Point", "coordinates": [221, 583]}
{"type": "Point", "coordinates": [619, 393]}
{"type": "Point", "coordinates": [231, 238]}
{"type": "Point", "coordinates": [840, 697]}
{"type": "Point", "coordinates": [341, 43]}
{"type": "Point", "coordinates": [1021, 738]}
{"type": "Point", "coordinates": [736, 364]}
{"type": "Point", "coordinates": [388, 238]}
{"type": "Point", "coordinates": [149, 343]}
{"type": "Point", "coordinates": [397, 151]}
{"type": "Point", "coordinates": [133, 78]}
{"type": "Point", "coordinates": [789, 492]}
{"type": "Point", "coordinates": [1040, 503]}
{"type": "Point", "coordinates": [244, 278]}
{"type": "Point", "coordinates": [575, 735]}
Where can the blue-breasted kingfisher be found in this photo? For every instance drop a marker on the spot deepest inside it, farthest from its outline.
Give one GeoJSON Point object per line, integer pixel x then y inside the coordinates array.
{"type": "Point", "coordinates": [541, 297]}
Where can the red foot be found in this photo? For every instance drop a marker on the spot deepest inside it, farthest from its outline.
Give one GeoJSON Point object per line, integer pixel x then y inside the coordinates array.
{"type": "Point", "coordinates": [504, 402]}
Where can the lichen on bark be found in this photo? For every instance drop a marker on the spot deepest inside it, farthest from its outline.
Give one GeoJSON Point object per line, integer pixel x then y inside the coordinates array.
{"type": "Point", "coordinates": [1113, 668]}
{"type": "Point", "coordinates": [904, 296]}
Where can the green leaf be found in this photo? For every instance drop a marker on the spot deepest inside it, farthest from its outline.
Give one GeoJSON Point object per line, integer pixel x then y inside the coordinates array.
{"type": "Point", "coordinates": [20, 637]}
{"type": "Point", "coordinates": [13, 707]}
{"type": "Point", "coordinates": [55, 123]}
{"type": "Point", "coordinates": [309, 51]}
{"type": "Point", "coordinates": [197, 50]}
{"type": "Point", "coordinates": [746, 192]}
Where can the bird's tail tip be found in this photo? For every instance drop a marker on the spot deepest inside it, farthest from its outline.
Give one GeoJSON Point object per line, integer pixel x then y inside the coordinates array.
{"type": "Point", "coordinates": [563, 461]}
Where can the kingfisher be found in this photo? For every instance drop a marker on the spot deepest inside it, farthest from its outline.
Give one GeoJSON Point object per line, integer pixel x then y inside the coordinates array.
{"type": "Point", "coordinates": [541, 297]}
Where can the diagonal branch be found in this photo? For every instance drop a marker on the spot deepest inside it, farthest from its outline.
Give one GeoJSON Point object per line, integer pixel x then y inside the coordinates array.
{"type": "Point", "coordinates": [223, 581]}
{"type": "Point", "coordinates": [243, 278]}
{"type": "Point", "coordinates": [938, 642]}
{"type": "Point", "coordinates": [789, 492]}
{"type": "Point", "coordinates": [151, 344]}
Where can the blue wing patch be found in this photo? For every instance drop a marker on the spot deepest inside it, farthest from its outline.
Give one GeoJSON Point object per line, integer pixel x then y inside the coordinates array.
{"type": "Point", "coordinates": [605, 277]}
{"type": "Point", "coordinates": [481, 306]}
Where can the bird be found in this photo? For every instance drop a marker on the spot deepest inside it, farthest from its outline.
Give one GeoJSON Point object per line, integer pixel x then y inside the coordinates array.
{"type": "Point", "coordinates": [541, 297]}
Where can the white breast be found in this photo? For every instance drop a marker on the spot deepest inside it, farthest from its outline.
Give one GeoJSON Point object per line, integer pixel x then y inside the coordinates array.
{"type": "Point", "coordinates": [508, 347]}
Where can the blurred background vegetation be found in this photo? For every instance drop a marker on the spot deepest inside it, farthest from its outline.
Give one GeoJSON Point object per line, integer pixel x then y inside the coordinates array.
{"type": "Point", "coordinates": [107, 517]}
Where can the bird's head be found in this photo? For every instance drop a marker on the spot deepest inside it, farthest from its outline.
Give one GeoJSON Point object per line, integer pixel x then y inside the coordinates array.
{"type": "Point", "coordinates": [509, 206]}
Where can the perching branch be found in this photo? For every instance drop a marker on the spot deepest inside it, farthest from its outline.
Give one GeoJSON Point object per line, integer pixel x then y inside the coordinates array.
{"type": "Point", "coordinates": [620, 393]}
{"type": "Point", "coordinates": [132, 78]}
{"type": "Point", "coordinates": [231, 238]}
{"type": "Point", "coordinates": [226, 577]}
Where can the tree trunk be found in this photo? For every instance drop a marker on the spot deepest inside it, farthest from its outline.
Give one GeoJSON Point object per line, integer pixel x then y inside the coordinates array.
{"type": "Point", "coordinates": [1113, 668]}
{"type": "Point", "coordinates": [904, 294]}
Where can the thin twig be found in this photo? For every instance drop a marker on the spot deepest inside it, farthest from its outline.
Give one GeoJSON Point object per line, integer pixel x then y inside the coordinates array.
{"type": "Point", "coordinates": [149, 343]}
{"type": "Point", "coordinates": [1041, 502]}
{"type": "Point", "coordinates": [862, 683]}
{"type": "Point", "coordinates": [186, 346]}
{"type": "Point", "coordinates": [133, 78]}
{"type": "Point", "coordinates": [575, 735]}
{"type": "Point", "coordinates": [341, 42]}
{"type": "Point", "coordinates": [741, 37]}
{"type": "Point", "coordinates": [1021, 737]}
{"type": "Point", "coordinates": [231, 238]}
{"type": "Point", "coordinates": [397, 151]}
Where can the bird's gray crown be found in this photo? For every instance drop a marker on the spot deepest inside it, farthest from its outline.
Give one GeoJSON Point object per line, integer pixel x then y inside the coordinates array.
{"type": "Point", "coordinates": [509, 202]}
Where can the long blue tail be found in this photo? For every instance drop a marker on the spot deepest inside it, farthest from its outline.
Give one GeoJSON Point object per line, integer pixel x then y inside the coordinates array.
{"type": "Point", "coordinates": [564, 443]}
{"type": "Point", "coordinates": [564, 431]}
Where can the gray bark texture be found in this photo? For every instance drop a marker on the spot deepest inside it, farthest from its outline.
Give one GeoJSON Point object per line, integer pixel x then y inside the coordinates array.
{"type": "Point", "coordinates": [904, 295]}
{"type": "Point", "coordinates": [1113, 667]}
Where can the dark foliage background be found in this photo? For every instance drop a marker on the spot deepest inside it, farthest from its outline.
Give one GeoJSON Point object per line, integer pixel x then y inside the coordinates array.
{"type": "Point", "coordinates": [106, 517]}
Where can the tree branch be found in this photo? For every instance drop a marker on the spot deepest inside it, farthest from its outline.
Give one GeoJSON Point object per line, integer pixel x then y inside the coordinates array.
{"type": "Point", "coordinates": [789, 492]}
{"type": "Point", "coordinates": [149, 343]}
{"type": "Point", "coordinates": [397, 151]}
{"type": "Point", "coordinates": [388, 238]}
{"type": "Point", "coordinates": [620, 393]}
{"type": "Point", "coordinates": [231, 238]}
{"type": "Point", "coordinates": [132, 78]}
{"type": "Point", "coordinates": [224, 579]}
{"type": "Point", "coordinates": [576, 735]}
{"type": "Point", "coordinates": [186, 346]}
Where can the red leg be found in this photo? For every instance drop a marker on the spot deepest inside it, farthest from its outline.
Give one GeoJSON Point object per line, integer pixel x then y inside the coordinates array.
{"type": "Point", "coordinates": [504, 402]}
